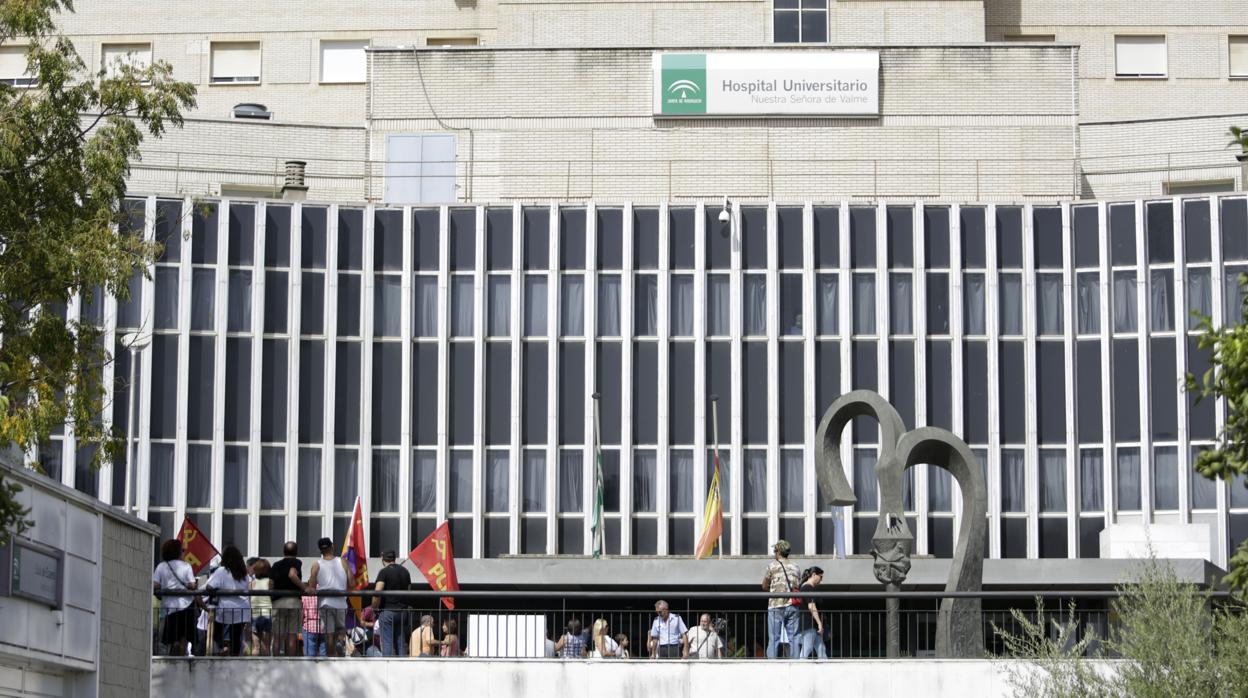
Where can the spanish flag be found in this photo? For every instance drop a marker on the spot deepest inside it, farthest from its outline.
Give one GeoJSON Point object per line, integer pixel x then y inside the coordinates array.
{"type": "Point", "coordinates": [712, 517]}
{"type": "Point", "coordinates": [356, 555]}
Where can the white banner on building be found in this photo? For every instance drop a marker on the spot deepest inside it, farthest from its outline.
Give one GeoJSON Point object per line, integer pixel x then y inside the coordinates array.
{"type": "Point", "coordinates": [767, 83]}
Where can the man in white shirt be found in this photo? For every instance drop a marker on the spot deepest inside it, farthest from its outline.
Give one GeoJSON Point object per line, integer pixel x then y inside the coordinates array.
{"type": "Point", "coordinates": [330, 574]}
{"type": "Point", "coordinates": [704, 642]}
{"type": "Point", "coordinates": [669, 637]}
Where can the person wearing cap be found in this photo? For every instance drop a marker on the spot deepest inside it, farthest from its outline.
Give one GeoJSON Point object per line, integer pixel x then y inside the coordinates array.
{"type": "Point", "coordinates": [781, 576]}
{"type": "Point", "coordinates": [394, 613]}
{"type": "Point", "coordinates": [330, 574]}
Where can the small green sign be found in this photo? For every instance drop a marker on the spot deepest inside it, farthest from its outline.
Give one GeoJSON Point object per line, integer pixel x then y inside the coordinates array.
{"type": "Point", "coordinates": [684, 83]}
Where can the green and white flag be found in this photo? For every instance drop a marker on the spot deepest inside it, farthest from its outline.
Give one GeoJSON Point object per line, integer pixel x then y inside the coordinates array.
{"type": "Point", "coordinates": [597, 527]}
{"type": "Point", "coordinates": [597, 520]}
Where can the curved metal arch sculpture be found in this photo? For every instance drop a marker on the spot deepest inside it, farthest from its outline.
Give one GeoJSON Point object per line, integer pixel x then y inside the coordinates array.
{"type": "Point", "coordinates": [959, 627]}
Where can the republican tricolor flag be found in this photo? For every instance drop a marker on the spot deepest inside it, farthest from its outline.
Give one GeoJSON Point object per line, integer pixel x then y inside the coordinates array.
{"type": "Point", "coordinates": [356, 555]}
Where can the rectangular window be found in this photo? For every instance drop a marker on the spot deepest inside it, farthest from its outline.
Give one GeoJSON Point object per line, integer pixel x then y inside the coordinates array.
{"type": "Point", "coordinates": [800, 21]}
{"type": "Point", "coordinates": [1140, 56]}
{"type": "Point", "coordinates": [420, 168]}
{"type": "Point", "coordinates": [1239, 56]}
{"type": "Point", "coordinates": [1128, 479]}
{"type": "Point", "coordinates": [235, 61]}
{"type": "Point", "coordinates": [344, 61]}
{"type": "Point", "coordinates": [13, 68]}
{"type": "Point", "coordinates": [115, 56]}
{"type": "Point", "coordinates": [1090, 482]}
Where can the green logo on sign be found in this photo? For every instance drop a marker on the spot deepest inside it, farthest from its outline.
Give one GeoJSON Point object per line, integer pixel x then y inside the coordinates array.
{"type": "Point", "coordinates": [684, 83]}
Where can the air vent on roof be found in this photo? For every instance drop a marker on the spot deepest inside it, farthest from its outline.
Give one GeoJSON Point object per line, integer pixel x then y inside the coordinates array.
{"type": "Point", "coordinates": [249, 110]}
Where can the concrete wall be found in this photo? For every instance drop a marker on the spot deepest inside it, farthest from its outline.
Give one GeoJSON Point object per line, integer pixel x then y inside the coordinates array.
{"type": "Point", "coordinates": [956, 122]}
{"type": "Point", "coordinates": [99, 642]}
{"type": "Point", "coordinates": [377, 678]}
{"type": "Point", "coordinates": [125, 610]}
{"type": "Point", "coordinates": [906, 22]}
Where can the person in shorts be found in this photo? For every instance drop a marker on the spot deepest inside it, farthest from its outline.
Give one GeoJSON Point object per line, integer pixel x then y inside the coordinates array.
{"type": "Point", "coordinates": [286, 576]}
{"type": "Point", "coordinates": [330, 574]}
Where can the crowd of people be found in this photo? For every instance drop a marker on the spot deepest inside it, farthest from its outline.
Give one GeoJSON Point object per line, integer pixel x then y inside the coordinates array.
{"type": "Point", "coordinates": [294, 621]}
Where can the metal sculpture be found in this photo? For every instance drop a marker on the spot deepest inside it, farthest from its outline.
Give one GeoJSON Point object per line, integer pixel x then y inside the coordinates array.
{"type": "Point", "coordinates": [959, 626]}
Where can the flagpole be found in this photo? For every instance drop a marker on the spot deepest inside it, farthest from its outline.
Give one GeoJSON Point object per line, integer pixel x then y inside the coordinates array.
{"type": "Point", "coordinates": [599, 542]}
{"type": "Point", "coordinates": [715, 438]}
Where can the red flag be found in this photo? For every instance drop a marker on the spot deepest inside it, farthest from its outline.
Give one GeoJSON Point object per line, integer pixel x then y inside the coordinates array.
{"type": "Point", "coordinates": [434, 558]}
{"type": "Point", "coordinates": [197, 550]}
{"type": "Point", "coordinates": [356, 555]}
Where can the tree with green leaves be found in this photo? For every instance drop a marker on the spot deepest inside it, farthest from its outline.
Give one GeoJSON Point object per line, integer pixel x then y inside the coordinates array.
{"type": "Point", "coordinates": [66, 143]}
{"type": "Point", "coordinates": [1227, 379]}
{"type": "Point", "coordinates": [1171, 638]}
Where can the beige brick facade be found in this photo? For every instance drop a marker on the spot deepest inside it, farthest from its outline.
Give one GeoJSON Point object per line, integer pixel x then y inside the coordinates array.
{"type": "Point", "coordinates": [1015, 122]}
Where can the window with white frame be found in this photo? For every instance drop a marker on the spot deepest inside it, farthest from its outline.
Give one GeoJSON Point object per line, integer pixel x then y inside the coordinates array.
{"type": "Point", "coordinates": [115, 56]}
{"type": "Point", "coordinates": [800, 21]}
{"type": "Point", "coordinates": [13, 67]}
{"type": "Point", "coordinates": [1140, 56]}
{"type": "Point", "coordinates": [1238, 46]}
{"type": "Point", "coordinates": [235, 62]}
{"type": "Point", "coordinates": [420, 168]}
{"type": "Point", "coordinates": [344, 61]}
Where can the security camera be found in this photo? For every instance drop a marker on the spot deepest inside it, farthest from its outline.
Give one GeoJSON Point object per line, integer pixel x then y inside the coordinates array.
{"type": "Point", "coordinates": [723, 215]}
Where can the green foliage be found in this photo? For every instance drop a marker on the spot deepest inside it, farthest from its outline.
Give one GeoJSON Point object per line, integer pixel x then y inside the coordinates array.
{"type": "Point", "coordinates": [1239, 137]}
{"type": "Point", "coordinates": [1057, 669]}
{"type": "Point", "coordinates": [1170, 638]}
{"type": "Point", "coordinates": [65, 152]}
{"type": "Point", "coordinates": [1227, 379]}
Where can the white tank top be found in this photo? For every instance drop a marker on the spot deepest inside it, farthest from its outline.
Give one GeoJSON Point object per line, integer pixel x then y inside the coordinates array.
{"type": "Point", "coordinates": [332, 577]}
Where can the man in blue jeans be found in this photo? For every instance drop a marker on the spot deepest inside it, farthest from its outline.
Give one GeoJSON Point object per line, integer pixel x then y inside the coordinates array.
{"type": "Point", "coordinates": [393, 621]}
{"type": "Point", "coordinates": [781, 577]}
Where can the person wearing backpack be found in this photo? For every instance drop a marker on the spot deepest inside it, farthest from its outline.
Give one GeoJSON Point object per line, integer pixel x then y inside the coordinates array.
{"type": "Point", "coordinates": [782, 613]}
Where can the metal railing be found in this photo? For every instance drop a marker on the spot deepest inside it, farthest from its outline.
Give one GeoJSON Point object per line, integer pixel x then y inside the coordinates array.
{"type": "Point", "coordinates": [576, 179]}
{"type": "Point", "coordinates": [565, 624]}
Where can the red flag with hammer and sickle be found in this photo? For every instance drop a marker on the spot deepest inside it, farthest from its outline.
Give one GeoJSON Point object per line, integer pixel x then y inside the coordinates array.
{"type": "Point", "coordinates": [434, 558]}
{"type": "Point", "coordinates": [197, 550]}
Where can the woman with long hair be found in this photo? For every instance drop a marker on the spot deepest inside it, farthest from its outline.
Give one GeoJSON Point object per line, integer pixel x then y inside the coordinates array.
{"type": "Point", "coordinates": [262, 607]}
{"type": "Point", "coordinates": [604, 646]}
{"type": "Point", "coordinates": [233, 612]}
{"type": "Point", "coordinates": [172, 574]}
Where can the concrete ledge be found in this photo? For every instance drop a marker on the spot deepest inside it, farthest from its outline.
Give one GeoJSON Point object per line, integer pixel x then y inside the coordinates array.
{"type": "Point", "coordinates": [377, 678]}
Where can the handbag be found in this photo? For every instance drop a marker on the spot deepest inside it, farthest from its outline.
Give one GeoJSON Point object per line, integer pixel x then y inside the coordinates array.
{"type": "Point", "coordinates": [789, 580]}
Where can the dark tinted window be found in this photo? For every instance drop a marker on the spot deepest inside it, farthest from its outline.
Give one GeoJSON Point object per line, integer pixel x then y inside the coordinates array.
{"type": "Point", "coordinates": [1122, 234]}
{"type": "Point", "coordinates": [1196, 230]}
{"type": "Point", "coordinates": [498, 236]}
{"type": "Point", "coordinates": [974, 252]}
{"type": "Point", "coordinates": [936, 237]}
{"type": "Point", "coordinates": [1085, 221]}
{"type": "Point", "coordinates": [862, 237]}
{"type": "Point", "coordinates": [425, 236]}
{"type": "Point", "coordinates": [350, 238]}
{"type": "Point", "coordinates": [900, 236]}
{"type": "Point", "coordinates": [1009, 237]}
{"type": "Point", "coordinates": [646, 238]}
{"type": "Point", "coordinates": [1160, 222]}
{"type": "Point", "coordinates": [610, 238]}
{"type": "Point", "coordinates": [463, 238]}
{"type": "Point", "coordinates": [681, 234]}
{"type": "Point", "coordinates": [1047, 237]}
{"type": "Point", "coordinates": [572, 238]}
{"type": "Point", "coordinates": [536, 238]}
{"type": "Point", "coordinates": [827, 237]}
{"type": "Point", "coordinates": [789, 220]}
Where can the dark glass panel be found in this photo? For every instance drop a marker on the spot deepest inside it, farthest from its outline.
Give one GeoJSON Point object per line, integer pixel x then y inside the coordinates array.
{"type": "Point", "coordinates": [350, 238]}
